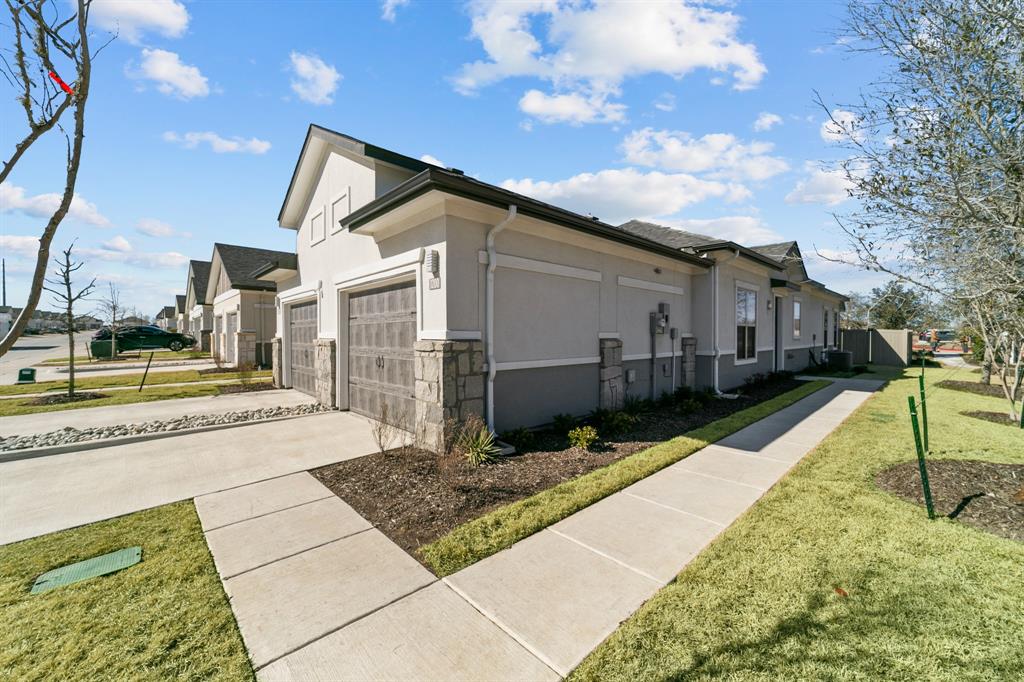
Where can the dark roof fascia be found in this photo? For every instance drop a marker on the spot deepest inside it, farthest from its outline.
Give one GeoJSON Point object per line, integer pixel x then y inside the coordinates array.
{"type": "Point", "coordinates": [270, 286]}
{"type": "Point", "coordinates": [785, 284]}
{"type": "Point", "coordinates": [744, 251]}
{"type": "Point", "coordinates": [435, 179]}
{"type": "Point", "coordinates": [819, 285]}
{"type": "Point", "coordinates": [289, 263]}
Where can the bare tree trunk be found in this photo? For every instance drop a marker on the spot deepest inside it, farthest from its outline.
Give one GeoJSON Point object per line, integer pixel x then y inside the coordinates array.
{"type": "Point", "coordinates": [986, 367]}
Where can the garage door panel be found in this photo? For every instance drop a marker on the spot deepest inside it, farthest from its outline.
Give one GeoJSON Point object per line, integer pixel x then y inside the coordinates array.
{"type": "Point", "coordinates": [302, 329]}
{"type": "Point", "coordinates": [382, 331]}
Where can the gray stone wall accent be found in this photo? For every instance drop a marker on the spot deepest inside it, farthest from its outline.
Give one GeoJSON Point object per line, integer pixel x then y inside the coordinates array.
{"type": "Point", "coordinates": [326, 384]}
{"type": "Point", "coordinates": [449, 386]}
{"type": "Point", "coordinates": [204, 340]}
{"type": "Point", "coordinates": [245, 348]}
{"type": "Point", "coordinates": [276, 368]}
{"type": "Point", "coordinates": [688, 375]}
{"type": "Point", "coordinates": [612, 394]}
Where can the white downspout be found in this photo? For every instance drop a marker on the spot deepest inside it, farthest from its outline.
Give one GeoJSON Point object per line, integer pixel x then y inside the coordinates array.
{"type": "Point", "coordinates": [492, 263]}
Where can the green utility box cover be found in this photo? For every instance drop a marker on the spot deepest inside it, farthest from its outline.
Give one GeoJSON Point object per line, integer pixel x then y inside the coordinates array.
{"type": "Point", "coordinates": [90, 568]}
{"type": "Point", "coordinates": [27, 375]}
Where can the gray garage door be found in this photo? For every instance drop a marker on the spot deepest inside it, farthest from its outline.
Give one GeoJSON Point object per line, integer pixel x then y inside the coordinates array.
{"type": "Point", "coordinates": [382, 331]}
{"type": "Point", "coordinates": [229, 337]}
{"type": "Point", "coordinates": [302, 335]}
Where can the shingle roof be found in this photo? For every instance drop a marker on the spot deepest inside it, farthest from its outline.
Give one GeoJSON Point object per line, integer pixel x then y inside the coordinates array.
{"type": "Point", "coordinates": [179, 303]}
{"type": "Point", "coordinates": [166, 313]}
{"type": "Point", "coordinates": [668, 236]}
{"type": "Point", "coordinates": [777, 251]}
{"type": "Point", "coordinates": [239, 262]}
{"type": "Point", "coordinates": [200, 278]}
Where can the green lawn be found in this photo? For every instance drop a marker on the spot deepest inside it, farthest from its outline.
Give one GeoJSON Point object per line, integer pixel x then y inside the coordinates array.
{"type": "Point", "coordinates": [84, 382]}
{"type": "Point", "coordinates": [928, 600]}
{"type": "Point", "coordinates": [506, 525]}
{"type": "Point", "coordinates": [162, 619]}
{"type": "Point", "coordinates": [12, 407]}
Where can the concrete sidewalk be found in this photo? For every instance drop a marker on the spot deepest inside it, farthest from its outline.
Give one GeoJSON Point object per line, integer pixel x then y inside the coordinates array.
{"type": "Point", "coordinates": [136, 413]}
{"type": "Point", "coordinates": [47, 494]}
{"type": "Point", "coordinates": [320, 594]}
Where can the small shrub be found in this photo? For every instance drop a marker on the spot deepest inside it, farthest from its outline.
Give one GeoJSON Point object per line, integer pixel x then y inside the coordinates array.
{"type": "Point", "coordinates": [562, 423]}
{"type": "Point", "coordinates": [689, 406]}
{"type": "Point", "coordinates": [636, 406]}
{"type": "Point", "coordinates": [683, 393]}
{"type": "Point", "coordinates": [619, 423]}
{"type": "Point", "coordinates": [476, 443]}
{"type": "Point", "coordinates": [756, 379]}
{"type": "Point", "coordinates": [583, 437]}
{"type": "Point", "coordinates": [665, 400]}
{"type": "Point", "coordinates": [704, 397]}
{"type": "Point", "coordinates": [522, 439]}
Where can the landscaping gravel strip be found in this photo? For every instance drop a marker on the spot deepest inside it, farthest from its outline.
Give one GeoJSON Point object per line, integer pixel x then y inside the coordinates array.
{"type": "Point", "coordinates": [69, 435]}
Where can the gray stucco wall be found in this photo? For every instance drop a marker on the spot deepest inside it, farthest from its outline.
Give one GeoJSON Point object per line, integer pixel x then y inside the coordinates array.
{"type": "Point", "coordinates": [798, 359]}
{"type": "Point", "coordinates": [731, 376]}
{"type": "Point", "coordinates": [530, 397]}
{"type": "Point", "coordinates": [705, 371]}
{"type": "Point", "coordinates": [641, 388]}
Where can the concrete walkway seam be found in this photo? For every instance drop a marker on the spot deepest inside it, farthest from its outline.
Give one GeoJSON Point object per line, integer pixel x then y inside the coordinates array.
{"type": "Point", "coordinates": [260, 516]}
{"type": "Point", "coordinates": [665, 506]}
{"type": "Point", "coordinates": [609, 557]}
{"type": "Point", "coordinates": [719, 478]}
{"type": "Point", "coordinates": [293, 554]}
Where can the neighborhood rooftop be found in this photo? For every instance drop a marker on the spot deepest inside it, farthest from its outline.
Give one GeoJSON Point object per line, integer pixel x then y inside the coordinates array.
{"type": "Point", "coordinates": [240, 262]}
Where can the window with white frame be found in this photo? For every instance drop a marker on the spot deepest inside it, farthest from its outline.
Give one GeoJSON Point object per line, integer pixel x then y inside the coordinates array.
{"type": "Point", "coordinates": [746, 323]}
{"type": "Point", "coordinates": [796, 319]}
{"type": "Point", "coordinates": [318, 227]}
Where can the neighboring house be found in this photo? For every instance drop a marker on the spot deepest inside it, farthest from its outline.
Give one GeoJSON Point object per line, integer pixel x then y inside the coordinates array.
{"type": "Point", "coordinates": [244, 316]}
{"type": "Point", "coordinates": [199, 312]}
{"type": "Point", "coordinates": [6, 320]}
{"type": "Point", "coordinates": [180, 316]}
{"type": "Point", "coordinates": [166, 319]}
{"type": "Point", "coordinates": [42, 321]}
{"type": "Point", "coordinates": [133, 321]}
{"type": "Point", "coordinates": [444, 296]}
{"type": "Point", "coordinates": [87, 322]}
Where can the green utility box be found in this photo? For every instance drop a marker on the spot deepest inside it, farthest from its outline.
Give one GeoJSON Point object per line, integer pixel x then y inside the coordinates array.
{"type": "Point", "coordinates": [27, 375]}
{"type": "Point", "coordinates": [100, 349]}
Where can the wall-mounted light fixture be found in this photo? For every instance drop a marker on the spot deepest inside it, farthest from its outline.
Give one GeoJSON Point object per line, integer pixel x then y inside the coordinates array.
{"type": "Point", "coordinates": [770, 303]}
{"type": "Point", "coordinates": [432, 263]}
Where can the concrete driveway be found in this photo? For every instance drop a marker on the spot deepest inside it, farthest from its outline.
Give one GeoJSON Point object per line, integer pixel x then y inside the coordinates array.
{"type": "Point", "coordinates": [137, 413]}
{"type": "Point", "coordinates": [46, 494]}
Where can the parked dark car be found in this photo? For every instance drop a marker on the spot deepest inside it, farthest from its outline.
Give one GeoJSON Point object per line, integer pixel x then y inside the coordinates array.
{"type": "Point", "coordinates": [145, 337]}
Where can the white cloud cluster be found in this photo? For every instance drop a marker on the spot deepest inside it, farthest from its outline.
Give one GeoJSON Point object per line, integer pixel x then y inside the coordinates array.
{"type": "Point", "coordinates": [742, 229]}
{"type": "Point", "coordinates": [427, 158]}
{"type": "Point", "coordinates": [666, 101]}
{"type": "Point", "coordinates": [171, 75]}
{"type": "Point", "coordinates": [151, 227]}
{"type": "Point", "coordinates": [389, 7]}
{"type": "Point", "coordinates": [591, 48]}
{"type": "Point", "coordinates": [820, 186]}
{"type": "Point", "coordinates": [130, 19]}
{"type": "Point", "coordinates": [14, 198]}
{"type": "Point", "coordinates": [220, 145]}
{"type": "Point", "coordinates": [616, 195]}
{"type": "Point", "coordinates": [841, 127]}
{"type": "Point", "coordinates": [24, 246]}
{"type": "Point", "coordinates": [766, 121]}
{"type": "Point", "coordinates": [313, 80]}
{"type": "Point", "coordinates": [720, 155]}
{"type": "Point", "coordinates": [120, 250]}
{"type": "Point", "coordinates": [119, 244]}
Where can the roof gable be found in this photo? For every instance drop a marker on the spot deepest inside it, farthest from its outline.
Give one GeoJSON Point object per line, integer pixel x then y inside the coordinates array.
{"type": "Point", "coordinates": [232, 267]}
{"type": "Point", "coordinates": [198, 278]}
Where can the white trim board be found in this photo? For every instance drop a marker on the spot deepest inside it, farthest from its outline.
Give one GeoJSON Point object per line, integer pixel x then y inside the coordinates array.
{"type": "Point", "coordinates": [505, 260]}
{"type": "Point", "coordinates": [647, 356]}
{"type": "Point", "coordinates": [647, 285]}
{"type": "Point", "coordinates": [303, 291]}
{"type": "Point", "coordinates": [450, 335]}
{"type": "Point", "coordinates": [557, 362]}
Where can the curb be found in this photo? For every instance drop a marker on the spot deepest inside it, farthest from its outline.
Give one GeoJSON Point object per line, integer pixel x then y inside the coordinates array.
{"type": "Point", "coordinates": [96, 444]}
{"type": "Point", "coordinates": [63, 369]}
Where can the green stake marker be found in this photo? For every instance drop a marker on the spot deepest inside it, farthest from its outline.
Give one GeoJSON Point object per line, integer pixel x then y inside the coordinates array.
{"type": "Point", "coordinates": [920, 459]}
{"type": "Point", "coordinates": [924, 412]}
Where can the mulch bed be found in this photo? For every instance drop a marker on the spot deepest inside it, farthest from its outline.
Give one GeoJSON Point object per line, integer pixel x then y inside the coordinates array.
{"type": "Point", "coordinates": [985, 495]}
{"type": "Point", "coordinates": [414, 497]}
{"type": "Point", "coordinates": [245, 388]}
{"type": "Point", "coordinates": [63, 399]}
{"type": "Point", "coordinates": [996, 417]}
{"type": "Point", "coordinates": [993, 390]}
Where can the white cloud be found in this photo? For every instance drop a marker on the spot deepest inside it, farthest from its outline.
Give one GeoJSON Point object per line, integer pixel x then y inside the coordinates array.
{"type": "Point", "coordinates": [720, 155]}
{"type": "Point", "coordinates": [766, 121]}
{"type": "Point", "coordinates": [388, 8]}
{"type": "Point", "coordinates": [821, 186]}
{"type": "Point", "coordinates": [742, 229]}
{"type": "Point", "coordinates": [617, 195]}
{"type": "Point", "coordinates": [591, 48]}
{"type": "Point", "coordinates": [27, 247]}
{"type": "Point", "coordinates": [314, 80]}
{"type": "Point", "coordinates": [158, 228]}
{"type": "Point", "coordinates": [119, 244]}
{"type": "Point", "coordinates": [842, 126]}
{"type": "Point", "coordinates": [140, 259]}
{"type": "Point", "coordinates": [220, 145]}
{"type": "Point", "coordinates": [427, 158]}
{"type": "Point", "coordinates": [131, 18]}
{"type": "Point", "coordinates": [573, 108]}
{"type": "Point", "coordinates": [14, 198]}
{"type": "Point", "coordinates": [666, 101]}
{"type": "Point", "coordinates": [171, 75]}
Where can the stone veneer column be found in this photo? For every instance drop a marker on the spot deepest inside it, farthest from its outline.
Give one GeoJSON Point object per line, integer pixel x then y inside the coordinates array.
{"type": "Point", "coordinates": [276, 368]}
{"type": "Point", "coordinates": [204, 340]}
{"type": "Point", "coordinates": [326, 386]}
{"type": "Point", "coordinates": [245, 348]}
{"type": "Point", "coordinates": [449, 388]}
{"type": "Point", "coordinates": [689, 361]}
{"type": "Point", "coordinates": [612, 395]}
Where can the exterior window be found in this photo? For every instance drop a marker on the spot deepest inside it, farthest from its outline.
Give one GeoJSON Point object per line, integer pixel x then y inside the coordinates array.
{"type": "Point", "coordinates": [746, 324]}
{"type": "Point", "coordinates": [835, 328]}
{"type": "Point", "coordinates": [796, 319]}
{"type": "Point", "coordinates": [824, 335]}
{"type": "Point", "coordinates": [318, 228]}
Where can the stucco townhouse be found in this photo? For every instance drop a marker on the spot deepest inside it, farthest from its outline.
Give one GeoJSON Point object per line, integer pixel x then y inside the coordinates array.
{"type": "Point", "coordinates": [166, 319]}
{"type": "Point", "coordinates": [243, 304]}
{"type": "Point", "coordinates": [199, 313]}
{"type": "Point", "coordinates": [443, 296]}
{"type": "Point", "coordinates": [180, 316]}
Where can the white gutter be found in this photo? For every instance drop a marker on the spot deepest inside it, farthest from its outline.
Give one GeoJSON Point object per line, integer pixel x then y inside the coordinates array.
{"type": "Point", "coordinates": [492, 263]}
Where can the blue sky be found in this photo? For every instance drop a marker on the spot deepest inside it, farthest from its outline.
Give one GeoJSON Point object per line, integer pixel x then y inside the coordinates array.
{"type": "Point", "coordinates": [697, 116]}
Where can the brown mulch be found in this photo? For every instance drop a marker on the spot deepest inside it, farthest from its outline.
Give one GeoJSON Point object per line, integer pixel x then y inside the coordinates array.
{"type": "Point", "coordinates": [985, 495]}
{"type": "Point", "coordinates": [414, 497]}
{"type": "Point", "coordinates": [246, 388]}
{"type": "Point", "coordinates": [63, 399]}
{"type": "Point", "coordinates": [996, 417]}
{"type": "Point", "coordinates": [993, 390]}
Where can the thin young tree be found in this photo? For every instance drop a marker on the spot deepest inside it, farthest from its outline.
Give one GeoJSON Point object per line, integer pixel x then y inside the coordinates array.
{"type": "Point", "coordinates": [937, 160]}
{"type": "Point", "coordinates": [64, 295]}
{"type": "Point", "coordinates": [113, 314]}
{"type": "Point", "coordinates": [45, 45]}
